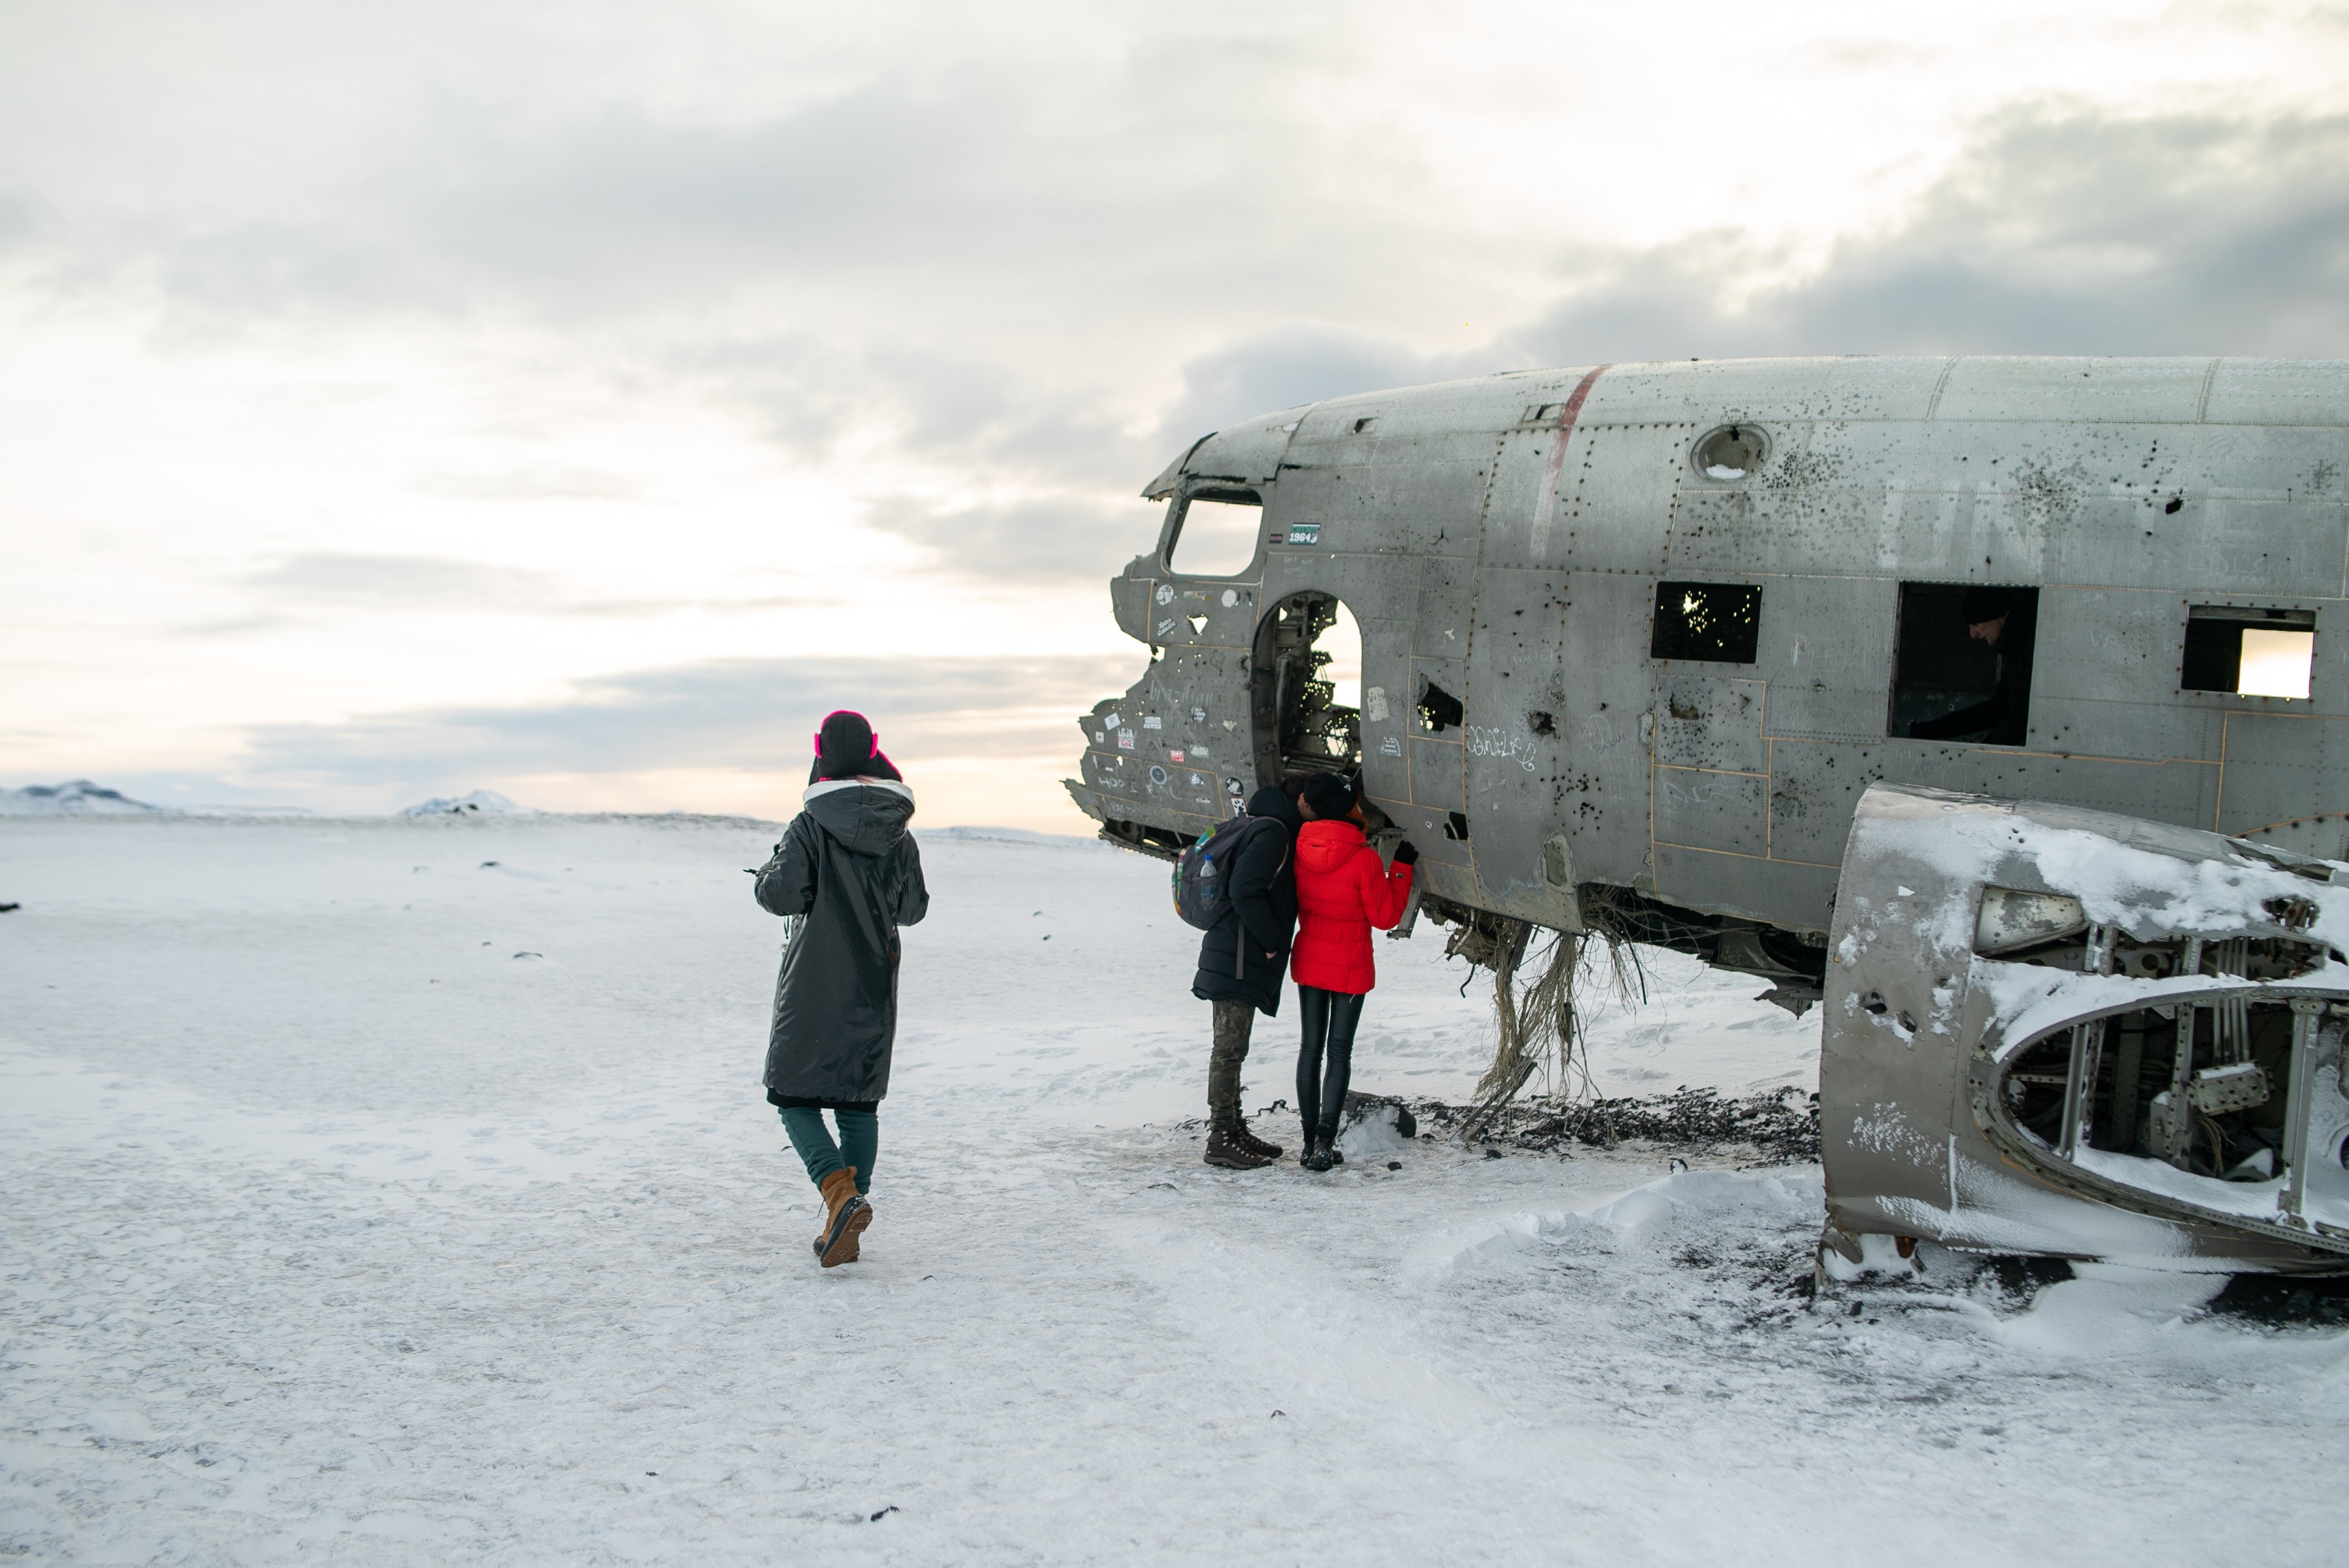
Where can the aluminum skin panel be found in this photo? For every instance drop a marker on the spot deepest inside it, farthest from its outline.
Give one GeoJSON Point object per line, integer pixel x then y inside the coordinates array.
{"type": "Point", "coordinates": [1603, 802]}
{"type": "Point", "coordinates": [1615, 490]}
{"type": "Point", "coordinates": [1795, 897]}
{"type": "Point", "coordinates": [2054, 391]}
{"type": "Point", "coordinates": [1729, 813]}
{"type": "Point", "coordinates": [1709, 722]}
{"type": "Point", "coordinates": [2282, 769]}
{"type": "Point", "coordinates": [1515, 749]}
{"type": "Point", "coordinates": [1816, 786]}
{"type": "Point", "coordinates": [1825, 650]}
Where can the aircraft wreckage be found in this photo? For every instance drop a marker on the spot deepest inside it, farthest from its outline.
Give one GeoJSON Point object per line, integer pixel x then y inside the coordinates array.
{"type": "Point", "coordinates": [1986, 702]}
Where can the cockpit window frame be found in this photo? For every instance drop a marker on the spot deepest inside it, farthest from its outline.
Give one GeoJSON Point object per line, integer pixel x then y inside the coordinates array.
{"type": "Point", "coordinates": [1178, 508]}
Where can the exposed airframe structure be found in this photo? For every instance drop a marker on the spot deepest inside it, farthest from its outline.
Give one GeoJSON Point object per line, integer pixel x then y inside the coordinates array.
{"type": "Point", "coordinates": [1646, 649]}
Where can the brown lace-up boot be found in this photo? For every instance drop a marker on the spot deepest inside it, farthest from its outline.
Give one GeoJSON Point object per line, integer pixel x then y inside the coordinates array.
{"type": "Point", "coordinates": [1229, 1146]}
{"type": "Point", "coordinates": [1246, 1135]}
{"type": "Point", "coordinates": [845, 1217]}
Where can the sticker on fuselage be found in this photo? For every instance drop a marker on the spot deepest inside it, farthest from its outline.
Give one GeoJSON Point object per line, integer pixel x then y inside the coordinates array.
{"type": "Point", "coordinates": [1304, 533]}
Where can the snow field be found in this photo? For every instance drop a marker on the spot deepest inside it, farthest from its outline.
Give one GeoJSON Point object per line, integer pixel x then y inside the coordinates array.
{"type": "Point", "coordinates": [334, 1230]}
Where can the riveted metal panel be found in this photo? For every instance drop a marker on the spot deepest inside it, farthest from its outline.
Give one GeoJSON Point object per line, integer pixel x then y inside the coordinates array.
{"type": "Point", "coordinates": [1438, 779]}
{"type": "Point", "coordinates": [1616, 489]}
{"type": "Point", "coordinates": [1515, 750]}
{"type": "Point", "coordinates": [1825, 650]}
{"type": "Point", "coordinates": [2018, 389]}
{"type": "Point", "coordinates": [2279, 392]}
{"type": "Point", "coordinates": [1520, 525]}
{"type": "Point", "coordinates": [1605, 725]}
{"type": "Point", "coordinates": [2281, 767]}
{"type": "Point", "coordinates": [1701, 810]}
{"type": "Point", "coordinates": [2103, 679]}
{"type": "Point", "coordinates": [1799, 898]}
{"type": "Point", "coordinates": [1815, 787]}
{"type": "Point", "coordinates": [1386, 708]}
{"type": "Point", "coordinates": [1708, 722]}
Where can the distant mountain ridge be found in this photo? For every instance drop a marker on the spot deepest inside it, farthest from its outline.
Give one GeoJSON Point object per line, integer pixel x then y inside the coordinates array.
{"type": "Point", "coordinates": [75, 797]}
{"type": "Point", "coordinates": [480, 802]}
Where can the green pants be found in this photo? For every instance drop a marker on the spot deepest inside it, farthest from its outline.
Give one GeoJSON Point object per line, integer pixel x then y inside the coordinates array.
{"type": "Point", "coordinates": [860, 1140]}
{"type": "Point", "coordinates": [1234, 1021]}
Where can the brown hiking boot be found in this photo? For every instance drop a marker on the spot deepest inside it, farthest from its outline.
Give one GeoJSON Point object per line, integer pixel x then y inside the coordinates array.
{"type": "Point", "coordinates": [845, 1217]}
{"type": "Point", "coordinates": [1231, 1151]}
{"type": "Point", "coordinates": [1247, 1136]}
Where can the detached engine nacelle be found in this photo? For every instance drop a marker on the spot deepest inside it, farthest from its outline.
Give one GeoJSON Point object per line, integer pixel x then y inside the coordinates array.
{"type": "Point", "coordinates": [2060, 1032]}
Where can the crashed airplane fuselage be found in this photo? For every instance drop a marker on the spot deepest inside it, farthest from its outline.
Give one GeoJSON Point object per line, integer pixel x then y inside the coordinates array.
{"type": "Point", "coordinates": [1988, 701]}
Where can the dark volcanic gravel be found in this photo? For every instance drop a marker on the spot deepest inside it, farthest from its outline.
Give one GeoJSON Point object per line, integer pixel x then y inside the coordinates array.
{"type": "Point", "coordinates": [1780, 1127]}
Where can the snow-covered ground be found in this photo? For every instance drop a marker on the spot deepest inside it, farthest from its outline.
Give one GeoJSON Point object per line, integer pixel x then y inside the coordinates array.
{"type": "Point", "coordinates": [400, 1192]}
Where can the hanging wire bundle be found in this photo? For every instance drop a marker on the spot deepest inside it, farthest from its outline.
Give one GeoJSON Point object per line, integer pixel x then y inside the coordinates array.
{"type": "Point", "coordinates": [1537, 1023]}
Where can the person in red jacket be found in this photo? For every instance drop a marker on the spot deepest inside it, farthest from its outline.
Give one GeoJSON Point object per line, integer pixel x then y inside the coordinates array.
{"type": "Point", "coordinates": [1343, 891]}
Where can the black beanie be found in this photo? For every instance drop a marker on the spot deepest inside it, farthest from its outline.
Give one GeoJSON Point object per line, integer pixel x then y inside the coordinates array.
{"type": "Point", "coordinates": [1980, 604]}
{"type": "Point", "coordinates": [845, 750]}
{"type": "Point", "coordinates": [1328, 795]}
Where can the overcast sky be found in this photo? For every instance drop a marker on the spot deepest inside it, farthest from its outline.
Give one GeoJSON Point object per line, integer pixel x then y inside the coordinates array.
{"type": "Point", "coordinates": [579, 399]}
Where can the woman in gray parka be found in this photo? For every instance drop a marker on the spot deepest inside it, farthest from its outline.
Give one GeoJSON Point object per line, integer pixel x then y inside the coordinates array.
{"type": "Point", "coordinates": [847, 868]}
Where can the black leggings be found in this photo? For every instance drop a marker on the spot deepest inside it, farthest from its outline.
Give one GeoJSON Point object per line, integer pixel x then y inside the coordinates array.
{"type": "Point", "coordinates": [1330, 1018]}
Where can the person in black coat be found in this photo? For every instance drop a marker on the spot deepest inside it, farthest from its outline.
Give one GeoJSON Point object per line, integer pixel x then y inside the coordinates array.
{"type": "Point", "coordinates": [850, 874]}
{"type": "Point", "coordinates": [2008, 620]}
{"type": "Point", "coordinates": [1243, 959]}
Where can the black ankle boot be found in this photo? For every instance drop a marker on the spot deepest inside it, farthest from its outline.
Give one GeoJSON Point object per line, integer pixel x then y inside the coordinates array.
{"type": "Point", "coordinates": [1316, 1153]}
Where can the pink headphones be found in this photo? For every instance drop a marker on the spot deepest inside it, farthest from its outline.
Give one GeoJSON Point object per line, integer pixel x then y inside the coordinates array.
{"type": "Point", "coordinates": [874, 752]}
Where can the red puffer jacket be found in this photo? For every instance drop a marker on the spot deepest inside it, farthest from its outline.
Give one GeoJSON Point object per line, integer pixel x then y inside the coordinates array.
{"type": "Point", "coordinates": [1342, 893]}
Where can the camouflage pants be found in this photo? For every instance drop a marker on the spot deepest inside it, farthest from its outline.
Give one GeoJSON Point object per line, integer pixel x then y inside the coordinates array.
{"type": "Point", "coordinates": [1233, 1022]}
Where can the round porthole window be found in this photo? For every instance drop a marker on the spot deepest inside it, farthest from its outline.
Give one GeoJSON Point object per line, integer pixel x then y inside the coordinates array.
{"type": "Point", "coordinates": [1732, 452]}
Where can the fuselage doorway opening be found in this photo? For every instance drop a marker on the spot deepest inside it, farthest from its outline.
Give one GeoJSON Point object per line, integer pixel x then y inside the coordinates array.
{"type": "Point", "coordinates": [1305, 688]}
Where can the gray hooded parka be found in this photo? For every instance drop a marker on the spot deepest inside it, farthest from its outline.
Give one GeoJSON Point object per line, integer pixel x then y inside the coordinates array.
{"type": "Point", "coordinates": [849, 869]}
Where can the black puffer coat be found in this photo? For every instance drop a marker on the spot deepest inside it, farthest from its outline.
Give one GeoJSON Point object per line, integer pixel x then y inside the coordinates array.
{"type": "Point", "coordinates": [1244, 957]}
{"type": "Point", "coordinates": [849, 868]}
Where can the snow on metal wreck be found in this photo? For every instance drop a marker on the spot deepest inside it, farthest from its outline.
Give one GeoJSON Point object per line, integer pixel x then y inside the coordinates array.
{"type": "Point", "coordinates": [2058, 1031]}
{"type": "Point", "coordinates": [1642, 644]}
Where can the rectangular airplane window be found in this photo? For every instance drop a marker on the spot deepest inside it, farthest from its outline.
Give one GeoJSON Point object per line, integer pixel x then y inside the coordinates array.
{"type": "Point", "coordinates": [1215, 533]}
{"type": "Point", "coordinates": [1961, 667]}
{"type": "Point", "coordinates": [1718, 622]}
{"type": "Point", "coordinates": [2252, 653]}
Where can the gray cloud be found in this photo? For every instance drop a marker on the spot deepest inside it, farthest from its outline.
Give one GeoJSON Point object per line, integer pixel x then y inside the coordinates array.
{"type": "Point", "coordinates": [2058, 233]}
{"type": "Point", "coordinates": [735, 713]}
{"type": "Point", "coordinates": [1293, 363]}
{"type": "Point", "coordinates": [352, 580]}
{"type": "Point", "coordinates": [1045, 541]}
